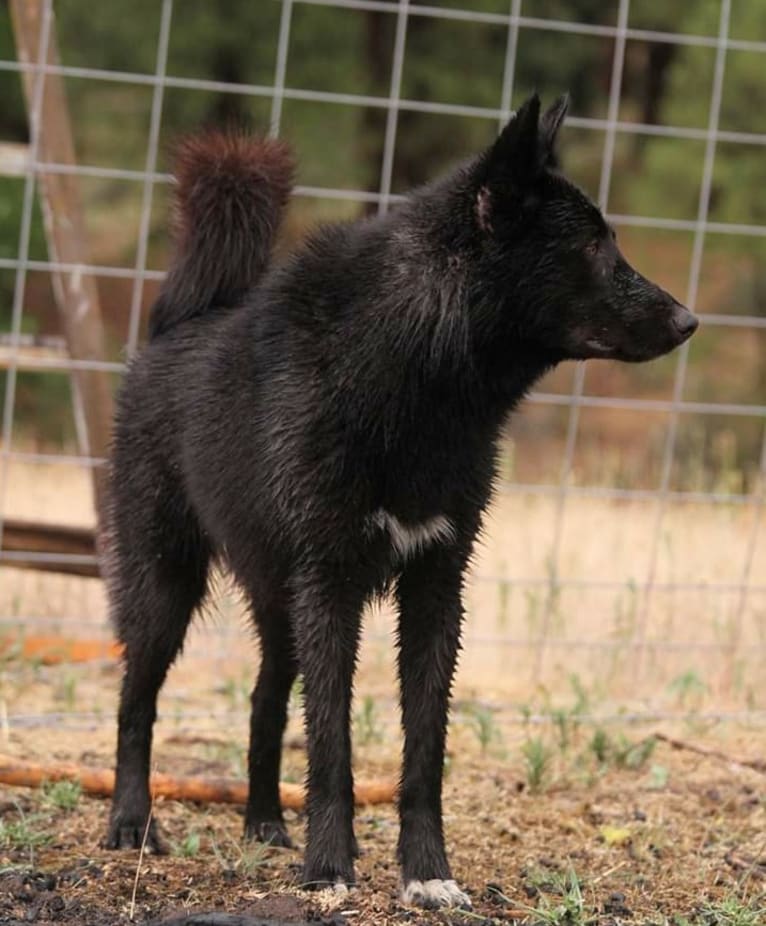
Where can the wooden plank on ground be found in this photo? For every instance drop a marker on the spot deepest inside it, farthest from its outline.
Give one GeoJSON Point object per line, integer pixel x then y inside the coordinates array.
{"type": "Point", "coordinates": [57, 539]}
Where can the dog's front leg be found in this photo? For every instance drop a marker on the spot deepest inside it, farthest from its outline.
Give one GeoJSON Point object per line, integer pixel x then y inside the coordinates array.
{"type": "Point", "coordinates": [326, 620]}
{"type": "Point", "coordinates": [429, 593]}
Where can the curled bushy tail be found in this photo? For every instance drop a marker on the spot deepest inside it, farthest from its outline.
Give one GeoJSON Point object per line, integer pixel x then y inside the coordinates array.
{"type": "Point", "coordinates": [231, 193]}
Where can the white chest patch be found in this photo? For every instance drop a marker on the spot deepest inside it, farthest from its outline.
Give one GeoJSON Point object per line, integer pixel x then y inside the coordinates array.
{"type": "Point", "coordinates": [409, 539]}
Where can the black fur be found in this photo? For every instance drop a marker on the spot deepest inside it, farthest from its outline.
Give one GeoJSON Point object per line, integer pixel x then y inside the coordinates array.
{"type": "Point", "coordinates": [297, 421]}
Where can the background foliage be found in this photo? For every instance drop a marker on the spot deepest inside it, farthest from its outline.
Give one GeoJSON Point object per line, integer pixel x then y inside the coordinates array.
{"type": "Point", "coordinates": [339, 145]}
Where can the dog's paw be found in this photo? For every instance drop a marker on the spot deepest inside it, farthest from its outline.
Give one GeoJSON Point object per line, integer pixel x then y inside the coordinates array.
{"type": "Point", "coordinates": [132, 834]}
{"type": "Point", "coordinates": [339, 888]}
{"type": "Point", "coordinates": [338, 878]}
{"type": "Point", "coordinates": [271, 832]}
{"type": "Point", "coordinates": [435, 893]}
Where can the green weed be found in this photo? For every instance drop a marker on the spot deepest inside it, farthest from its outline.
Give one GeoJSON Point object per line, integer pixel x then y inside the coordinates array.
{"type": "Point", "coordinates": [367, 722]}
{"type": "Point", "coordinates": [658, 777]}
{"type": "Point", "coordinates": [689, 688]}
{"type": "Point", "coordinates": [245, 857]}
{"type": "Point", "coordinates": [568, 907]}
{"type": "Point", "coordinates": [567, 720]}
{"type": "Point", "coordinates": [600, 745]}
{"type": "Point", "coordinates": [621, 752]}
{"type": "Point", "coordinates": [537, 759]}
{"type": "Point", "coordinates": [64, 795]}
{"type": "Point", "coordinates": [732, 912]}
{"type": "Point", "coordinates": [23, 834]}
{"type": "Point", "coordinates": [188, 847]}
{"type": "Point", "coordinates": [630, 755]}
{"type": "Point", "coordinates": [482, 721]}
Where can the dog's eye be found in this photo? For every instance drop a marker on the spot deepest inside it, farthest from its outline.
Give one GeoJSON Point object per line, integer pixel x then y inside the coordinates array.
{"type": "Point", "coordinates": [592, 249]}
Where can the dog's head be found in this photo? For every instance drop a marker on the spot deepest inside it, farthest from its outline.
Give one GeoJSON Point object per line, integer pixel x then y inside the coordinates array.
{"type": "Point", "coordinates": [549, 257]}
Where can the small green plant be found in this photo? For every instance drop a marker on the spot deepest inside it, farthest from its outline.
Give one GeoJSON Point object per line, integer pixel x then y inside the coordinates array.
{"type": "Point", "coordinates": [562, 722]}
{"type": "Point", "coordinates": [367, 723]}
{"type": "Point", "coordinates": [567, 720]}
{"type": "Point", "coordinates": [566, 907]}
{"type": "Point", "coordinates": [481, 720]}
{"type": "Point", "coordinates": [254, 856]}
{"type": "Point", "coordinates": [732, 912]}
{"type": "Point", "coordinates": [537, 758]}
{"type": "Point", "coordinates": [621, 752]}
{"type": "Point", "coordinates": [64, 795]}
{"type": "Point", "coordinates": [188, 847]}
{"type": "Point", "coordinates": [23, 835]}
{"type": "Point", "coordinates": [600, 745]}
{"type": "Point", "coordinates": [688, 687]}
{"type": "Point", "coordinates": [245, 858]}
{"type": "Point", "coordinates": [658, 777]}
{"type": "Point", "coordinates": [630, 755]}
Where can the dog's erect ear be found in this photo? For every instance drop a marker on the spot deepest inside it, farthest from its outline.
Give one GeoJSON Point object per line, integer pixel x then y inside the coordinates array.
{"type": "Point", "coordinates": [511, 164]}
{"type": "Point", "coordinates": [550, 123]}
{"type": "Point", "coordinates": [515, 156]}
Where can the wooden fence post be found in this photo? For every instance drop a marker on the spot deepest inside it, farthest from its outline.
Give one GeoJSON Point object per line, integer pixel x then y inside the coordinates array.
{"type": "Point", "coordinates": [75, 291]}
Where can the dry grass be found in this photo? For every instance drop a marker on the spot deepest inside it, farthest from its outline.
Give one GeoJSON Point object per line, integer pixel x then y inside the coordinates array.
{"type": "Point", "coordinates": [591, 631]}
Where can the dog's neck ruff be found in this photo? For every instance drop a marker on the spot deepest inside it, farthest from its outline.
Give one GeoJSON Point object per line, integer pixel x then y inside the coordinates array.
{"type": "Point", "coordinates": [410, 539]}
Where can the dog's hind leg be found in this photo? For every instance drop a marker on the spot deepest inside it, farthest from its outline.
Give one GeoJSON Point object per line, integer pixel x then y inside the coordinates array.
{"type": "Point", "coordinates": [429, 594]}
{"type": "Point", "coordinates": [158, 578]}
{"type": "Point", "coordinates": [326, 617]}
{"type": "Point", "coordinates": [279, 667]}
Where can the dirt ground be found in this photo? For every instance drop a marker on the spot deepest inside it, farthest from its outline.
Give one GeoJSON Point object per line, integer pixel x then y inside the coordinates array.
{"type": "Point", "coordinates": [552, 824]}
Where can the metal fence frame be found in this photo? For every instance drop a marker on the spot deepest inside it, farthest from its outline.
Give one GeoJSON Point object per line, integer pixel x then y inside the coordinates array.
{"type": "Point", "coordinates": [393, 104]}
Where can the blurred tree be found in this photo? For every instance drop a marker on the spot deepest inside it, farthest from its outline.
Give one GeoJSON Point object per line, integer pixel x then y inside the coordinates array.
{"type": "Point", "coordinates": [349, 51]}
{"type": "Point", "coordinates": [740, 169]}
{"type": "Point", "coordinates": [13, 120]}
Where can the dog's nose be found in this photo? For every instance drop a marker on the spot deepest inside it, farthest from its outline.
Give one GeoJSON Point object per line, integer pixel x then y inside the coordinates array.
{"type": "Point", "coordinates": [684, 322]}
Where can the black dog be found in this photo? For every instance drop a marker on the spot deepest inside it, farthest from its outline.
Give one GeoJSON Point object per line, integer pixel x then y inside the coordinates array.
{"type": "Point", "coordinates": [328, 429]}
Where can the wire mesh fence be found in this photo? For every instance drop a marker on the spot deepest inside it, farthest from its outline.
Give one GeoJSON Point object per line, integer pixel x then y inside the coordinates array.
{"type": "Point", "coordinates": [626, 546]}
